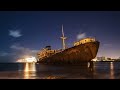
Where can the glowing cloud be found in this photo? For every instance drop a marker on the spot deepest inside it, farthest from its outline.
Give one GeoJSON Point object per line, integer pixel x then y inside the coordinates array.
{"type": "Point", "coordinates": [22, 51]}
{"type": "Point", "coordinates": [15, 33]}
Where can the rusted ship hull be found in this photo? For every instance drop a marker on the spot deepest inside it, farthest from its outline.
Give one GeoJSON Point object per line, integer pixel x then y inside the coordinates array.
{"type": "Point", "coordinates": [77, 54]}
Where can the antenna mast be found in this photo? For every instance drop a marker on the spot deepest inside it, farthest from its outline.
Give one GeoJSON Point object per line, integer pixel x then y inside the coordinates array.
{"type": "Point", "coordinates": [63, 39]}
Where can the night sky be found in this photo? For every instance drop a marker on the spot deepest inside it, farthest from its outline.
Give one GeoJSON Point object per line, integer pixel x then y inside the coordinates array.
{"type": "Point", "coordinates": [26, 32]}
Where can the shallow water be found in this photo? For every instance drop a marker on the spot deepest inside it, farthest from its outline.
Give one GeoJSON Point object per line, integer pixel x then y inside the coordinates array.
{"type": "Point", "coordinates": [99, 70]}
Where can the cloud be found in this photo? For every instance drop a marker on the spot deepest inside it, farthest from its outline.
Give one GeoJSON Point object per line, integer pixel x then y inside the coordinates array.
{"type": "Point", "coordinates": [7, 57]}
{"type": "Point", "coordinates": [15, 33]}
{"type": "Point", "coordinates": [16, 47]}
{"type": "Point", "coordinates": [34, 51]}
{"type": "Point", "coordinates": [21, 52]}
{"type": "Point", "coordinates": [4, 54]}
{"type": "Point", "coordinates": [108, 45]}
{"type": "Point", "coordinates": [17, 52]}
{"type": "Point", "coordinates": [80, 36]}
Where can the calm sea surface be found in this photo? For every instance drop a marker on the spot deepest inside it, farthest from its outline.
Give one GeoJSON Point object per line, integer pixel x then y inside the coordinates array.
{"type": "Point", "coordinates": [99, 70]}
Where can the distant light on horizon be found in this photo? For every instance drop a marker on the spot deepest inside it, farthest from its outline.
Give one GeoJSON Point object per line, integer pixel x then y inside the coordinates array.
{"type": "Point", "coordinates": [27, 59]}
{"type": "Point", "coordinates": [30, 59]}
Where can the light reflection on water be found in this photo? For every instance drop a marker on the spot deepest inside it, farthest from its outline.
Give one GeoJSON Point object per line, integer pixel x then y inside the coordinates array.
{"type": "Point", "coordinates": [96, 70]}
{"type": "Point", "coordinates": [111, 70]}
{"type": "Point", "coordinates": [30, 70]}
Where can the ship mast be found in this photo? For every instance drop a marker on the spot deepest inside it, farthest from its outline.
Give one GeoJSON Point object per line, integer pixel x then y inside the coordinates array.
{"type": "Point", "coordinates": [63, 39]}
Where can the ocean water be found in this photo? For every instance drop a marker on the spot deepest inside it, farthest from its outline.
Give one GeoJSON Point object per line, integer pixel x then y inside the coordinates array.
{"type": "Point", "coordinates": [99, 70]}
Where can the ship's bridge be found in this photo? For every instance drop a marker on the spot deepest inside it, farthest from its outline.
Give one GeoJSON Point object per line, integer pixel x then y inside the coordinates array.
{"type": "Point", "coordinates": [83, 41]}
